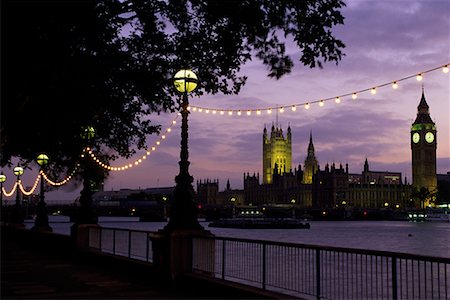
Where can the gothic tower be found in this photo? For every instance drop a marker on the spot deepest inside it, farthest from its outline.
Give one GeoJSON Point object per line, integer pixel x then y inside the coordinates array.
{"type": "Point", "coordinates": [277, 150]}
{"type": "Point", "coordinates": [311, 164]}
{"type": "Point", "coordinates": [423, 148]}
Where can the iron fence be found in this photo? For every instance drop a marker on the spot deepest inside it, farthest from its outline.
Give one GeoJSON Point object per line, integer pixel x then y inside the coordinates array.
{"type": "Point", "coordinates": [297, 269]}
{"type": "Point", "coordinates": [324, 272]}
{"type": "Point", "coordinates": [134, 244]}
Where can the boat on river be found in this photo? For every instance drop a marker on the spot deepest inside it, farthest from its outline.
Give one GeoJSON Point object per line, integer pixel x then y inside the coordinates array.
{"type": "Point", "coordinates": [430, 215]}
{"type": "Point", "coordinates": [260, 223]}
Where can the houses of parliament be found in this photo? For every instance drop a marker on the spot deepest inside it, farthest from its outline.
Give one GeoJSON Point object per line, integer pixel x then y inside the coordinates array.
{"type": "Point", "coordinates": [333, 185]}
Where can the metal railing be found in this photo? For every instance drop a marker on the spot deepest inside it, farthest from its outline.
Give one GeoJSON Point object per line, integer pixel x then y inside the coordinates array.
{"type": "Point", "coordinates": [134, 244]}
{"type": "Point", "coordinates": [297, 269]}
{"type": "Point", "coordinates": [322, 272]}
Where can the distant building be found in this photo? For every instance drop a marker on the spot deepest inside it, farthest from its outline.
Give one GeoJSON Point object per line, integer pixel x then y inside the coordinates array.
{"type": "Point", "coordinates": [311, 165]}
{"type": "Point", "coordinates": [328, 188]}
{"type": "Point", "coordinates": [277, 152]}
{"type": "Point", "coordinates": [207, 192]}
{"type": "Point", "coordinates": [443, 196]}
{"type": "Point", "coordinates": [311, 187]}
{"type": "Point", "coordinates": [133, 197]}
{"type": "Point", "coordinates": [423, 149]}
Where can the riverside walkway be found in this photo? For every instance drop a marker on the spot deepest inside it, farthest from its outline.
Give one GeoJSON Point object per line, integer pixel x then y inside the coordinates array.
{"type": "Point", "coordinates": [33, 268]}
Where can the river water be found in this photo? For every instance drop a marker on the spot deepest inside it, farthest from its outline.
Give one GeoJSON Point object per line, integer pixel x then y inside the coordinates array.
{"type": "Point", "coordinates": [424, 238]}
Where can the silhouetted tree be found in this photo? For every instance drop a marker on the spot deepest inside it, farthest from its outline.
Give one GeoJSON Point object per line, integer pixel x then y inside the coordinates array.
{"type": "Point", "coordinates": [423, 195]}
{"type": "Point", "coordinates": [109, 64]}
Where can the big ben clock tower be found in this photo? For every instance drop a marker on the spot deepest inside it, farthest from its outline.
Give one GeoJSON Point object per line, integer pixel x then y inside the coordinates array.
{"type": "Point", "coordinates": [423, 148]}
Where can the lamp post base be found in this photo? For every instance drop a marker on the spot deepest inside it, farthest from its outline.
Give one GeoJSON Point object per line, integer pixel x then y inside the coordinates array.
{"type": "Point", "coordinates": [17, 217]}
{"type": "Point", "coordinates": [41, 223]}
{"type": "Point", "coordinates": [183, 213]}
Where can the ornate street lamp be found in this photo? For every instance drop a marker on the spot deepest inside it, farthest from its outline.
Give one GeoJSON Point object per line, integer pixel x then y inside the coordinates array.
{"type": "Point", "coordinates": [183, 213]}
{"type": "Point", "coordinates": [17, 217]}
{"type": "Point", "coordinates": [85, 214]}
{"type": "Point", "coordinates": [41, 222]}
{"type": "Point", "coordinates": [233, 203]}
{"type": "Point", "coordinates": [2, 179]}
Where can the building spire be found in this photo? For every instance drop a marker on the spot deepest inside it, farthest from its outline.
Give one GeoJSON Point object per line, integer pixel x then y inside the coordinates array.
{"type": "Point", "coordinates": [310, 146]}
{"type": "Point", "coordinates": [423, 113]}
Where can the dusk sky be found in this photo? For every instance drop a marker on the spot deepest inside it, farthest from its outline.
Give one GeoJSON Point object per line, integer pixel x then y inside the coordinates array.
{"type": "Point", "coordinates": [386, 41]}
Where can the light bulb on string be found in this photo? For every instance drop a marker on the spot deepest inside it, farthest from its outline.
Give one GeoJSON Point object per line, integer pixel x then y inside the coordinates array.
{"type": "Point", "coordinates": [269, 111]}
{"type": "Point", "coordinates": [307, 106]}
{"type": "Point", "coordinates": [337, 100]}
{"type": "Point", "coordinates": [419, 77]}
{"type": "Point", "coordinates": [294, 108]}
{"type": "Point", "coordinates": [321, 103]}
{"type": "Point", "coordinates": [249, 112]}
{"type": "Point", "coordinates": [258, 112]}
{"type": "Point", "coordinates": [239, 113]}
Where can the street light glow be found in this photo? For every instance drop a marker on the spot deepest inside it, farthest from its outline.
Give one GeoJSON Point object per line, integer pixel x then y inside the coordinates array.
{"type": "Point", "coordinates": [185, 81]}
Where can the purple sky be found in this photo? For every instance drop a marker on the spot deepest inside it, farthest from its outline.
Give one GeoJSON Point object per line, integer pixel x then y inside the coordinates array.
{"type": "Point", "coordinates": [386, 40]}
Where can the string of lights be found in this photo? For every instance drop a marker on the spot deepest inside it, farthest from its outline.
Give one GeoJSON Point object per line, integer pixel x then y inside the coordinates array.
{"type": "Point", "coordinates": [321, 102]}
{"type": "Point", "coordinates": [31, 191]}
{"type": "Point", "coordinates": [138, 161]}
{"type": "Point", "coordinates": [62, 182]}
{"type": "Point", "coordinates": [11, 192]}
{"type": "Point", "coordinates": [93, 157]}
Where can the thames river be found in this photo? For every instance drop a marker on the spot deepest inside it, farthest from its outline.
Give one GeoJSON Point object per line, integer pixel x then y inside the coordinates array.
{"type": "Point", "coordinates": [424, 238]}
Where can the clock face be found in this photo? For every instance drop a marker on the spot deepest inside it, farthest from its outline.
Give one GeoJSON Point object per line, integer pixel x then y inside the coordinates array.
{"type": "Point", "coordinates": [429, 137]}
{"type": "Point", "coordinates": [416, 137]}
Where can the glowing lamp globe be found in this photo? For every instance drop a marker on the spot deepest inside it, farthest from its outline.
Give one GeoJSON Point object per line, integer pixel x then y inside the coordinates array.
{"type": "Point", "coordinates": [87, 132]}
{"type": "Point", "coordinates": [185, 81]}
{"type": "Point", "coordinates": [42, 159]}
{"type": "Point", "coordinates": [18, 171]}
{"type": "Point", "coordinates": [2, 178]}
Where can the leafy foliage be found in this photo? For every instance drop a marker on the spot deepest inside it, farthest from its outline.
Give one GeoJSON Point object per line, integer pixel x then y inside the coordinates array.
{"type": "Point", "coordinates": [109, 64]}
{"type": "Point", "coordinates": [424, 196]}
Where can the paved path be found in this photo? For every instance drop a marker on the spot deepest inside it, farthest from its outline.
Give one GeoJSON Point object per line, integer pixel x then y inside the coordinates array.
{"type": "Point", "coordinates": [35, 275]}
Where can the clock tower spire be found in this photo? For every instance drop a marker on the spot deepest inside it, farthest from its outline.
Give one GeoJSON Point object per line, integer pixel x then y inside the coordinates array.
{"type": "Point", "coordinates": [423, 148]}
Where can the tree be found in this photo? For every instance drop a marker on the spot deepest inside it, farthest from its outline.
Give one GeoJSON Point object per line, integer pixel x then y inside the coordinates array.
{"type": "Point", "coordinates": [109, 64]}
{"type": "Point", "coordinates": [423, 196]}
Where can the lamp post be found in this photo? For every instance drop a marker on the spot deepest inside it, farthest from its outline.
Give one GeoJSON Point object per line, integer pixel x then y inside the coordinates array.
{"type": "Point", "coordinates": [233, 203]}
{"type": "Point", "coordinates": [86, 214]}
{"type": "Point", "coordinates": [2, 179]}
{"type": "Point", "coordinates": [41, 222]}
{"type": "Point", "coordinates": [17, 217]}
{"type": "Point", "coordinates": [183, 213]}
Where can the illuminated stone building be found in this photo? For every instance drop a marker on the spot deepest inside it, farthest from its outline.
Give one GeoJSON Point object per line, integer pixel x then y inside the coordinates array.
{"type": "Point", "coordinates": [336, 187]}
{"type": "Point", "coordinates": [423, 149]}
{"type": "Point", "coordinates": [311, 165]}
{"type": "Point", "coordinates": [328, 188]}
{"type": "Point", "coordinates": [277, 152]}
